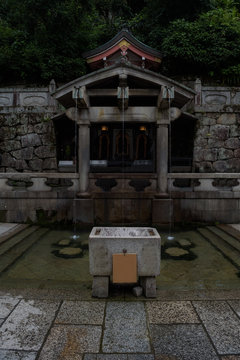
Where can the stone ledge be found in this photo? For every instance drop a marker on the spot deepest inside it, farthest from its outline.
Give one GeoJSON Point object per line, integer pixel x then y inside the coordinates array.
{"type": "Point", "coordinates": [124, 195]}
{"type": "Point", "coordinates": [205, 195]}
{"type": "Point", "coordinates": [203, 176]}
{"type": "Point", "coordinates": [39, 174]}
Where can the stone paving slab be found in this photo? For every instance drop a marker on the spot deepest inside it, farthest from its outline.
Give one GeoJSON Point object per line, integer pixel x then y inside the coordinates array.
{"type": "Point", "coordinates": [7, 305]}
{"type": "Point", "coordinates": [125, 328]}
{"type": "Point", "coordinates": [141, 357]}
{"type": "Point", "coordinates": [160, 312]}
{"type": "Point", "coordinates": [17, 355]}
{"type": "Point", "coordinates": [166, 357]}
{"type": "Point", "coordinates": [105, 357]}
{"type": "Point", "coordinates": [27, 325]}
{"type": "Point", "coordinates": [5, 295]}
{"type": "Point", "coordinates": [222, 325]}
{"type": "Point", "coordinates": [183, 341]}
{"type": "Point", "coordinates": [118, 357]}
{"type": "Point", "coordinates": [180, 330]}
{"type": "Point", "coordinates": [71, 292]}
{"type": "Point", "coordinates": [69, 342]}
{"type": "Point", "coordinates": [81, 312]}
{"type": "Point", "coordinates": [235, 304]}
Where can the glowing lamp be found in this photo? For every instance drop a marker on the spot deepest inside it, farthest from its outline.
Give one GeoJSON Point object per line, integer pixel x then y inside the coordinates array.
{"type": "Point", "coordinates": [104, 128]}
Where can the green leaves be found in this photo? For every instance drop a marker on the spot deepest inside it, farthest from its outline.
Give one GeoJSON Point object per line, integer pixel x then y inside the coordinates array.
{"type": "Point", "coordinates": [42, 39]}
{"type": "Point", "coordinates": [204, 46]}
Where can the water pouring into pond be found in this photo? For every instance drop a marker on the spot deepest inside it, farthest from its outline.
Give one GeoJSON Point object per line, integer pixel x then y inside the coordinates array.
{"type": "Point", "coordinates": [75, 236]}
{"type": "Point", "coordinates": [170, 237]}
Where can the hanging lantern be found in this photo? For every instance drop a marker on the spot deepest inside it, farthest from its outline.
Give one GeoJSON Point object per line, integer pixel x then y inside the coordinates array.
{"type": "Point", "coordinates": [104, 128]}
{"type": "Point", "coordinates": [142, 128]}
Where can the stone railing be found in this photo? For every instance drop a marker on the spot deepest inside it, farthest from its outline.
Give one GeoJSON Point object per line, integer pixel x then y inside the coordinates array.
{"type": "Point", "coordinates": [123, 183]}
{"type": "Point", "coordinates": [216, 98]}
{"type": "Point", "coordinates": [38, 182]}
{"type": "Point", "coordinates": [28, 98]}
{"type": "Point", "coordinates": [177, 182]}
{"type": "Point", "coordinates": [196, 182]}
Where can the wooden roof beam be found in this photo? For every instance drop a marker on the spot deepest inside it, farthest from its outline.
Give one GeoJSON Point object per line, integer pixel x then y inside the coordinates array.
{"type": "Point", "coordinates": [132, 92]}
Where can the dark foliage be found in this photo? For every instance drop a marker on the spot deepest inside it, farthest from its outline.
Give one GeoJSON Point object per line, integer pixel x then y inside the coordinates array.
{"type": "Point", "coordinates": [41, 39]}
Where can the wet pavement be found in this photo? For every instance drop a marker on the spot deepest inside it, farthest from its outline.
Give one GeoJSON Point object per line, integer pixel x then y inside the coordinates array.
{"type": "Point", "coordinates": [189, 319]}
{"type": "Point", "coordinates": [49, 327]}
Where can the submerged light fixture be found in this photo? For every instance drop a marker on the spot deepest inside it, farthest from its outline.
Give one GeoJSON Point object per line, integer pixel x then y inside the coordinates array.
{"type": "Point", "coordinates": [75, 237]}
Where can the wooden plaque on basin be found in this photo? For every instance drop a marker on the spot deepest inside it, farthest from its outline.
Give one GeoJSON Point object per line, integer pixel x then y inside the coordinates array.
{"type": "Point", "coordinates": [124, 268]}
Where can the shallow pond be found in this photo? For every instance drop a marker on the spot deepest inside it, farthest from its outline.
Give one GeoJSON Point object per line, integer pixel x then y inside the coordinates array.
{"type": "Point", "coordinates": [199, 265]}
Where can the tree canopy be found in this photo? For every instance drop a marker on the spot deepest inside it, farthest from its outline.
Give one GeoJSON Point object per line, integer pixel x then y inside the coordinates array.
{"type": "Point", "coordinates": [42, 39]}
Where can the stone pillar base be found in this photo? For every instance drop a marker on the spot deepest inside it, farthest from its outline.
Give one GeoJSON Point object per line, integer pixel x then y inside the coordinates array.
{"type": "Point", "coordinates": [100, 286]}
{"type": "Point", "coordinates": [84, 211]}
{"type": "Point", "coordinates": [83, 195]}
{"type": "Point", "coordinates": [161, 195]}
{"type": "Point", "coordinates": [148, 284]}
{"type": "Point", "coordinates": [162, 210]}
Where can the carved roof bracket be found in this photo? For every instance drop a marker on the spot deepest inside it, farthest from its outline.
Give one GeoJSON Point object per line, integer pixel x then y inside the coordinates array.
{"type": "Point", "coordinates": [166, 97]}
{"type": "Point", "coordinates": [80, 97]}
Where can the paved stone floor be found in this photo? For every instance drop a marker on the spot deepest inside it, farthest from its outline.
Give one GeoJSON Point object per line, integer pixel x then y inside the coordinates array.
{"type": "Point", "coordinates": [180, 324]}
{"type": "Point", "coordinates": [44, 326]}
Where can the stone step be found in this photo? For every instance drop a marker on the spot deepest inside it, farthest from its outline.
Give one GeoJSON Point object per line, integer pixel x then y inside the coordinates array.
{"type": "Point", "coordinates": [11, 232]}
{"type": "Point", "coordinates": [226, 250]}
{"type": "Point", "coordinates": [12, 241]}
{"type": "Point", "coordinates": [230, 230]}
{"type": "Point", "coordinates": [11, 255]}
{"type": "Point", "coordinates": [235, 243]}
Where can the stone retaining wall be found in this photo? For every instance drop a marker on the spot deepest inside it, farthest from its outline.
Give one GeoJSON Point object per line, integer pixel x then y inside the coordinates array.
{"type": "Point", "coordinates": [217, 142]}
{"type": "Point", "coordinates": [27, 137]}
{"type": "Point", "coordinates": [217, 138]}
{"type": "Point", "coordinates": [27, 142]}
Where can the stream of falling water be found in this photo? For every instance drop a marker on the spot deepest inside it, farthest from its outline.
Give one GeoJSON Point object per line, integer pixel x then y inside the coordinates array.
{"type": "Point", "coordinates": [123, 150]}
{"type": "Point", "coordinates": [75, 236]}
{"type": "Point", "coordinates": [170, 236]}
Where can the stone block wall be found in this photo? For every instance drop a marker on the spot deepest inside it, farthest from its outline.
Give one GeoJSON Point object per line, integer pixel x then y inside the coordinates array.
{"type": "Point", "coordinates": [217, 142]}
{"type": "Point", "coordinates": [27, 142]}
{"type": "Point", "coordinates": [217, 138]}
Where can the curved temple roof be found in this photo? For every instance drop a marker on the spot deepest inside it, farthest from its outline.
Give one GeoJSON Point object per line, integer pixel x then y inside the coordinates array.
{"type": "Point", "coordinates": [151, 79]}
{"type": "Point", "coordinates": [123, 42]}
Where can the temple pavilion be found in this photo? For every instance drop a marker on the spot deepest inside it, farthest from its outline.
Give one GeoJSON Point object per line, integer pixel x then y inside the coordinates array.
{"type": "Point", "coordinates": [117, 131]}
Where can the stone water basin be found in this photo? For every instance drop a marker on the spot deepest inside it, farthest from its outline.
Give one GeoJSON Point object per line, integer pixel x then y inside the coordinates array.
{"type": "Point", "coordinates": [104, 242]}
